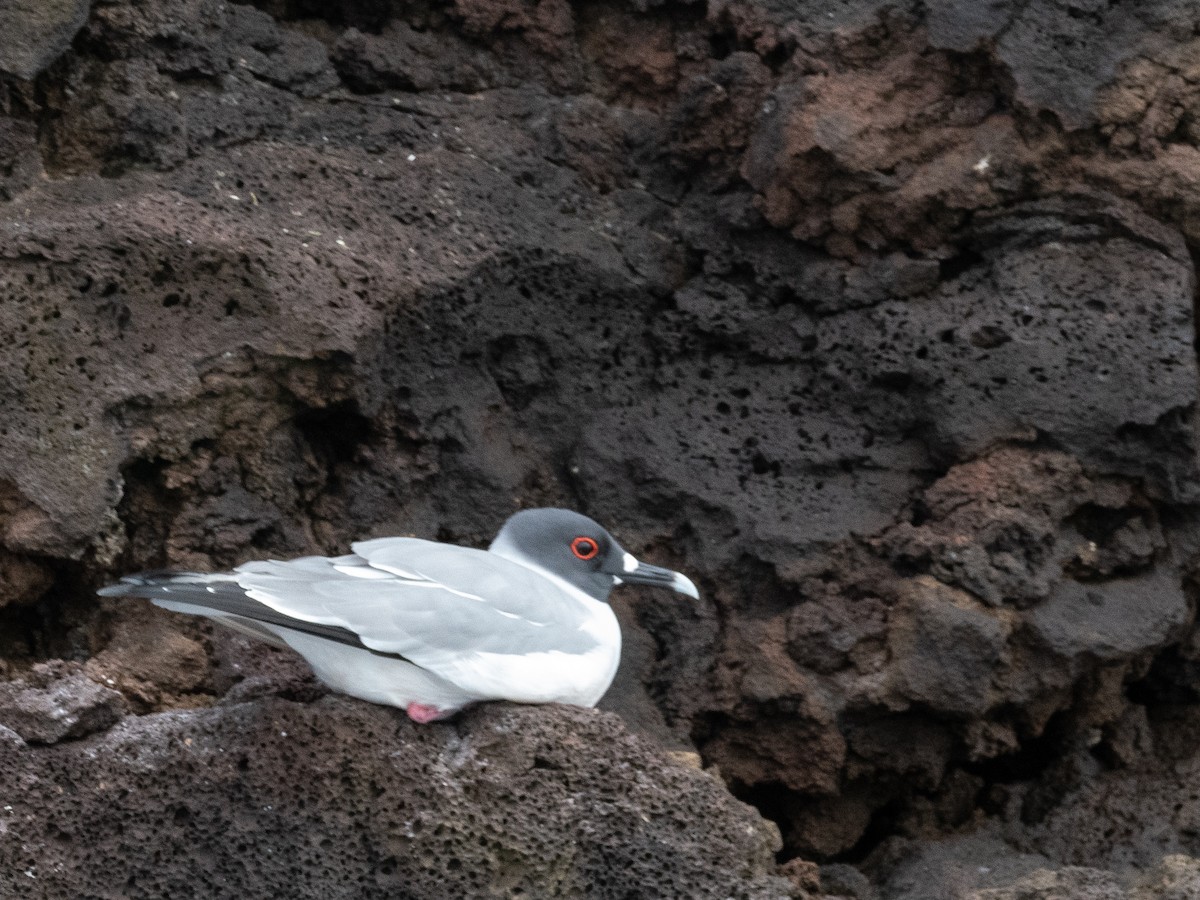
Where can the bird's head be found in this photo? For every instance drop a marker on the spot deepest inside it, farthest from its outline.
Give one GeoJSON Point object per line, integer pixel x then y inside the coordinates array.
{"type": "Point", "coordinates": [581, 552]}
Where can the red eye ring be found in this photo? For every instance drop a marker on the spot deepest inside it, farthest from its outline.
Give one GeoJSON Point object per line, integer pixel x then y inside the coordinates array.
{"type": "Point", "coordinates": [585, 547]}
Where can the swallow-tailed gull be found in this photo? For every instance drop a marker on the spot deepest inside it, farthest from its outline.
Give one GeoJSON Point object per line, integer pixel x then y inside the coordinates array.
{"type": "Point", "coordinates": [431, 627]}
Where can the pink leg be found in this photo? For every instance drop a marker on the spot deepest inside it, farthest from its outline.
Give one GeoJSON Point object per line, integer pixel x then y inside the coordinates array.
{"type": "Point", "coordinates": [423, 714]}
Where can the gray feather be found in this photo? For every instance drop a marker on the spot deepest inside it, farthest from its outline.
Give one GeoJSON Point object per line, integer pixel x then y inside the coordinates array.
{"type": "Point", "coordinates": [423, 599]}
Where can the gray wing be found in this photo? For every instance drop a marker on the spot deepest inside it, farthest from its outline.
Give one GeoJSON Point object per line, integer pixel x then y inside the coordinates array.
{"type": "Point", "coordinates": [220, 597]}
{"type": "Point", "coordinates": [437, 605]}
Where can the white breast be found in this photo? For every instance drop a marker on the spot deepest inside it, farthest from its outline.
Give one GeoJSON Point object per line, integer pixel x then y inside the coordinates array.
{"type": "Point", "coordinates": [554, 677]}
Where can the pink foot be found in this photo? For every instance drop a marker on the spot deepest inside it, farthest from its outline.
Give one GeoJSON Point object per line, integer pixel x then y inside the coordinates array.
{"type": "Point", "coordinates": [423, 714]}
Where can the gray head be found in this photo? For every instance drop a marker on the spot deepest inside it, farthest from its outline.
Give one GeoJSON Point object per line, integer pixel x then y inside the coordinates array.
{"type": "Point", "coordinates": [580, 552]}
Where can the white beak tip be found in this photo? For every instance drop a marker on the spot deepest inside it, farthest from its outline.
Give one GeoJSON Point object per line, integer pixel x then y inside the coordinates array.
{"type": "Point", "coordinates": [684, 585]}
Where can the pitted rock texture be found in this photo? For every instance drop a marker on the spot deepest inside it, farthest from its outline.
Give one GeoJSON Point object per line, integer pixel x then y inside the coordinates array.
{"type": "Point", "coordinates": [878, 318]}
{"type": "Point", "coordinates": [343, 799]}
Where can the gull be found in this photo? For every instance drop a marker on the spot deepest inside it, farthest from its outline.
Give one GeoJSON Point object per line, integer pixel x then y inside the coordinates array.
{"type": "Point", "coordinates": [431, 627]}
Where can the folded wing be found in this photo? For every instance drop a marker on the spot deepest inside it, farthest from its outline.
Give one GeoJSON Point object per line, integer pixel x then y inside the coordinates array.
{"type": "Point", "coordinates": [437, 605]}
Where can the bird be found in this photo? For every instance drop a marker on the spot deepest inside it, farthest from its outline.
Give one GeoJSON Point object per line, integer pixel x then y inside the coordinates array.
{"type": "Point", "coordinates": [430, 627]}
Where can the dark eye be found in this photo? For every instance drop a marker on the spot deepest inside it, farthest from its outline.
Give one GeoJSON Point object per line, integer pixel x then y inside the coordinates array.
{"type": "Point", "coordinates": [584, 547]}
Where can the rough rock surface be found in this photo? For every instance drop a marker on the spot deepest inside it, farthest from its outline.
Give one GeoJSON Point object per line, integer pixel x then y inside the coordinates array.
{"type": "Point", "coordinates": [984, 868]}
{"type": "Point", "coordinates": [54, 703]}
{"type": "Point", "coordinates": [343, 799]}
{"type": "Point", "coordinates": [878, 318]}
{"type": "Point", "coordinates": [36, 32]}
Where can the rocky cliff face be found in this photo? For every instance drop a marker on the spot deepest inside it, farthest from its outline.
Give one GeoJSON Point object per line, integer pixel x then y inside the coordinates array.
{"type": "Point", "coordinates": [875, 317]}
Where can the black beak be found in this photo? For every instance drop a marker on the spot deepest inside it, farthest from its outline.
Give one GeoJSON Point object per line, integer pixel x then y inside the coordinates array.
{"type": "Point", "coordinates": [627, 569]}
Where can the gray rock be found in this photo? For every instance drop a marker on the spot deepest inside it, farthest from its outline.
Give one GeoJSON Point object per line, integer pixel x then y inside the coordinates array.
{"type": "Point", "coordinates": [1060, 54]}
{"type": "Point", "coordinates": [947, 650]}
{"type": "Point", "coordinates": [34, 33]}
{"type": "Point", "coordinates": [342, 799]}
{"type": "Point", "coordinates": [51, 706]}
{"type": "Point", "coordinates": [1111, 619]}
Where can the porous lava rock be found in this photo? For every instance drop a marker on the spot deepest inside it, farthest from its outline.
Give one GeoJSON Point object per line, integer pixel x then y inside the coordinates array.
{"type": "Point", "coordinates": [876, 317]}
{"type": "Point", "coordinates": [343, 799]}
